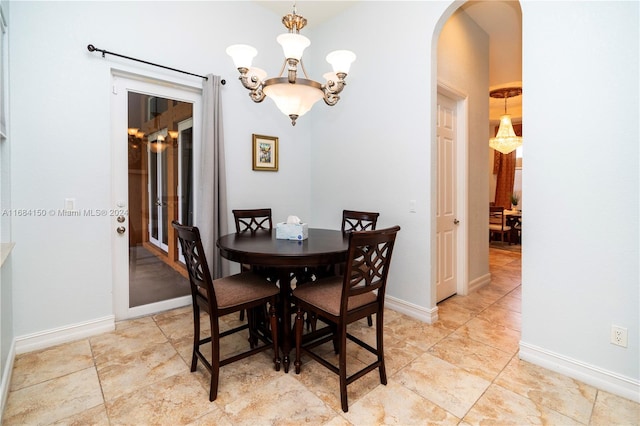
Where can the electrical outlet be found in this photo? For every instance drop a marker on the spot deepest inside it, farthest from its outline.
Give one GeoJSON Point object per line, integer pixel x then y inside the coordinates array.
{"type": "Point", "coordinates": [619, 336]}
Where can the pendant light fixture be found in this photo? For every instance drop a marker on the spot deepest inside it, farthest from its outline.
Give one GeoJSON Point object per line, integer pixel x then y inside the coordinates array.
{"type": "Point", "coordinates": [293, 95]}
{"type": "Point", "coordinates": [506, 139]}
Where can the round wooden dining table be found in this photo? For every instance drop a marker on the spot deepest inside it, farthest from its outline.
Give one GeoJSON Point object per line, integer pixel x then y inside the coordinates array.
{"type": "Point", "coordinates": [287, 258]}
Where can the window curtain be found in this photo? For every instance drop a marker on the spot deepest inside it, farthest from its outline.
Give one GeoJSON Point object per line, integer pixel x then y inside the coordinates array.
{"type": "Point", "coordinates": [212, 189]}
{"type": "Point", "coordinates": [504, 166]}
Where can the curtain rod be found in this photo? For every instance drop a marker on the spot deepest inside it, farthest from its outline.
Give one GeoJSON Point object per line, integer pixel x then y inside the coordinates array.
{"type": "Point", "coordinates": [92, 48]}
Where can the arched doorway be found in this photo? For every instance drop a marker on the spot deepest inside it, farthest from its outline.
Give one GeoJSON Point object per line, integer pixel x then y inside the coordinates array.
{"type": "Point", "coordinates": [465, 57]}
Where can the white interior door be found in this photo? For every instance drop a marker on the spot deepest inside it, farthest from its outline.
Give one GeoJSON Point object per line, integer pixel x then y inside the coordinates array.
{"type": "Point", "coordinates": [122, 224]}
{"type": "Point", "coordinates": [446, 220]}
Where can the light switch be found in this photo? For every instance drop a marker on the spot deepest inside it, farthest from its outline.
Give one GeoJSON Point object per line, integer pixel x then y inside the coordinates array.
{"type": "Point", "coordinates": [412, 206]}
{"type": "Point", "coordinates": [69, 204]}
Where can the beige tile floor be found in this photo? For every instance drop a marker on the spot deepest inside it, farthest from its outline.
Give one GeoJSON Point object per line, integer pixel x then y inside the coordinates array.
{"type": "Point", "coordinates": [462, 370]}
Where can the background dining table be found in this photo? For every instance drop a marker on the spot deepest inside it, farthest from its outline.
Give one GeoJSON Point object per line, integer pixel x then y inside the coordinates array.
{"type": "Point", "coordinates": [514, 220]}
{"type": "Point", "coordinates": [288, 259]}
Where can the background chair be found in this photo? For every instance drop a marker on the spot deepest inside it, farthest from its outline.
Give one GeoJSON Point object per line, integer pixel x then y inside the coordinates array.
{"type": "Point", "coordinates": [497, 223]}
{"type": "Point", "coordinates": [358, 221]}
{"type": "Point", "coordinates": [220, 297]}
{"type": "Point", "coordinates": [252, 220]}
{"type": "Point", "coordinates": [342, 300]}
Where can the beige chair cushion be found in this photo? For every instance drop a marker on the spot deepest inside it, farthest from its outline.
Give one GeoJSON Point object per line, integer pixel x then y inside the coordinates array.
{"type": "Point", "coordinates": [326, 294]}
{"type": "Point", "coordinates": [241, 288]}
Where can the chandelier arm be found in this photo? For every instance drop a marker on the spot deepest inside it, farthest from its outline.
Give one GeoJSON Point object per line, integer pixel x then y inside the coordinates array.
{"type": "Point", "coordinates": [284, 64]}
{"type": "Point", "coordinates": [257, 95]}
{"type": "Point", "coordinates": [304, 71]}
{"type": "Point", "coordinates": [249, 83]}
{"type": "Point", "coordinates": [330, 98]}
{"type": "Point", "coordinates": [335, 87]}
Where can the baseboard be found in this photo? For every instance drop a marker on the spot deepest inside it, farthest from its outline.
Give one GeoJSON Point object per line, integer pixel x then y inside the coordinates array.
{"type": "Point", "coordinates": [479, 282]}
{"type": "Point", "coordinates": [5, 384]}
{"type": "Point", "coordinates": [418, 312]}
{"type": "Point", "coordinates": [597, 377]}
{"type": "Point", "coordinates": [161, 306]}
{"type": "Point", "coordinates": [56, 336]}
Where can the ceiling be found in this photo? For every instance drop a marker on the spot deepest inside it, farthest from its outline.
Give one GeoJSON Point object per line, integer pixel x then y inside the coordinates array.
{"type": "Point", "coordinates": [500, 19]}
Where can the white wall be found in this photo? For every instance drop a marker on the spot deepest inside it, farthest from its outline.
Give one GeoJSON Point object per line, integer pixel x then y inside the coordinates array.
{"type": "Point", "coordinates": [580, 247]}
{"type": "Point", "coordinates": [6, 275]}
{"type": "Point", "coordinates": [374, 150]}
{"type": "Point", "coordinates": [60, 127]}
{"type": "Point", "coordinates": [575, 285]}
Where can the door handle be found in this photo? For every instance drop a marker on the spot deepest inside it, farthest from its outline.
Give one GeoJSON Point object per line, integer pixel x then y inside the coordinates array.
{"type": "Point", "coordinates": [456, 221]}
{"type": "Point", "coordinates": [120, 229]}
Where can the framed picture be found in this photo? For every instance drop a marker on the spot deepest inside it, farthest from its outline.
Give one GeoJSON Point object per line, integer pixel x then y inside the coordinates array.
{"type": "Point", "coordinates": [265, 153]}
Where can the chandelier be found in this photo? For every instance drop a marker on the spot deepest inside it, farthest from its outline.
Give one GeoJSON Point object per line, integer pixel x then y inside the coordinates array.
{"type": "Point", "coordinates": [293, 95]}
{"type": "Point", "coordinates": [506, 140]}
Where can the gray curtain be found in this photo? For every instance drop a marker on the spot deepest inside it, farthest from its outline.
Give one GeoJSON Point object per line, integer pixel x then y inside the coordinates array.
{"type": "Point", "coordinates": [212, 189]}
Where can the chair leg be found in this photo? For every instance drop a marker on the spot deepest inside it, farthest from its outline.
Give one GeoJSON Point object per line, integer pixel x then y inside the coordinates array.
{"type": "Point", "coordinates": [312, 321]}
{"type": "Point", "coordinates": [274, 334]}
{"type": "Point", "coordinates": [336, 339]}
{"type": "Point", "coordinates": [342, 367]}
{"type": "Point", "coordinates": [298, 330]}
{"type": "Point", "coordinates": [380, 347]}
{"type": "Point", "coordinates": [215, 358]}
{"type": "Point", "coordinates": [251, 320]}
{"type": "Point", "coordinates": [370, 321]}
{"type": "Point", "coordinates": [196, 336]}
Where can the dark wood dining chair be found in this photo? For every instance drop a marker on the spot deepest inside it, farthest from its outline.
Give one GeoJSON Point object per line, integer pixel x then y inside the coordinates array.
{"type": "Point", "coordinates": [498, 224]}
{"type": "Point", "coordinates": [342, 300]}
{"type": "Point", "coordinates": [353, 220]}
{"type": "Point", "coordinates": [252, 220]}
{"type": "Point", "coordinates": [243, 291]}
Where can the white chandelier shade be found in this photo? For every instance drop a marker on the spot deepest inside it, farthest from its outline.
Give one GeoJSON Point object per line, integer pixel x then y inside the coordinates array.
{"type": "Point", "coordinates": [293, 45]}
{"type": "Point", "coordinates": [293, 95]}
{"type": "Point", "coordinates": [242, 55]}
{"type": "Point", "coordinates": [341, 60]}
{"type": "Point", "coordinates": [293, 99]}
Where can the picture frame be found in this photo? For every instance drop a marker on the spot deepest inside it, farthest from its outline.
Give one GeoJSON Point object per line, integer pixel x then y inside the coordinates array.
{"type": "Point", "coordinates": [265, 153]}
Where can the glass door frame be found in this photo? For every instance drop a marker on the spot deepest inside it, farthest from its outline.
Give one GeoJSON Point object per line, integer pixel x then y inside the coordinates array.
{"type": "Point", "coordinates": [158, 206]}
{"type": "Point", "coordinates": [183, 126]}
{"type": "Point", "coordinates": [123, 82]}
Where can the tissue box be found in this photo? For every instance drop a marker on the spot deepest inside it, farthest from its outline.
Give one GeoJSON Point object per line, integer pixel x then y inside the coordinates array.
{"type": "Point", "coordinates": [292, 231]}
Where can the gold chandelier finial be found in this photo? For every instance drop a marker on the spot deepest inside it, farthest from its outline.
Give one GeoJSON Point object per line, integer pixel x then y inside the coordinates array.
{"type": "Point", "coordinates": [294, 22]}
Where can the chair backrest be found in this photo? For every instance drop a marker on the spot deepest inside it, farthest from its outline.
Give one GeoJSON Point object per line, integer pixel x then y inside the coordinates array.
{"type": "Point", "coordinates": [196, 262]}
{"type": "Point", "coordinates": [252, 220]}
{"type": "Point", "coordinates": [358, 221]}
{"type": "Point", "coordinates": [367, 264]}
{"type": "Point", "coordinates": [496, 216]}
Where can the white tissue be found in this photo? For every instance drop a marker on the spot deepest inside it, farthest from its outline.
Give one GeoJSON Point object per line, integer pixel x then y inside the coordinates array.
{"type": "Point", "coordinates": [293, 220]}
